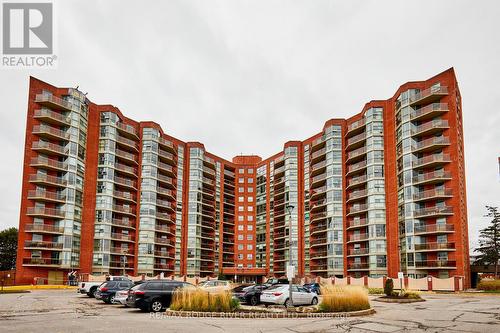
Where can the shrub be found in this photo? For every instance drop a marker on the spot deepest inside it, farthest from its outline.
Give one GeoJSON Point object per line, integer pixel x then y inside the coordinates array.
{"type": "Point", "coordinates": [412, 294]}
{"type": "Point", "coordinates": [489, 285]}
{"type": "Point", "coordinates": [375, 291]}
{"type": "Point", "coordinates": [389, 287]}
{"type": "Point", "coordinates": [190, 299]}
{"type": "Point", "coordinates": [343, 298]}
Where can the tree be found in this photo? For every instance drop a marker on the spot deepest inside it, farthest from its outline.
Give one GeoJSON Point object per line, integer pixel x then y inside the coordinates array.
{"type": "Point", "coordinates": [489, 241]}
{"type": "Point", "coordinates": [389, 287]}
{"type": "Point", "coordinates": [8, 249]}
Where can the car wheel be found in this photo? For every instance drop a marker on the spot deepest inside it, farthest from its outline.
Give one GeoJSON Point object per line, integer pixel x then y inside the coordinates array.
{"type": "Point", "coordinates": [93, 291]}
{"type": "Point", "coordinates": [254, 301]}
{"type": "Point", "coordinates": [314, 301]}
{"type": "Point", "coordinates": [288, 303]}
{"type": "Point", "coordinates": [156, 306]}
{"type": "Point", "coordinates": [111, 299]}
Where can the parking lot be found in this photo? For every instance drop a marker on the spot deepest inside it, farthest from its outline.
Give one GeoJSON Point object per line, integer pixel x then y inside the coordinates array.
{"type": "Point", "coordinates": [66, 311]}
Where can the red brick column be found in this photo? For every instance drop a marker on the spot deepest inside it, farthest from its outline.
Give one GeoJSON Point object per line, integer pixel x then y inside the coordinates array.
{"type": "Point", "coordinates": [365, 280]}
{"type": "Point", "coordinates": [405, 283]}
{"type": "Point", "coordinates": [429, 282]}
{"type": "Point", "coordinates": [457, 282]}
{"type": "Point", "coordinates": [348, 280]}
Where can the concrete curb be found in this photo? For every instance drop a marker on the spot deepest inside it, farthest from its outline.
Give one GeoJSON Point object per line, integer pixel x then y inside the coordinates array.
{"type": "Point", "coordinates": [35, 287]}
{"type": "Point", "coordinates": [396, 300]}
{"type": "Point", "coordinates": [264, 315]}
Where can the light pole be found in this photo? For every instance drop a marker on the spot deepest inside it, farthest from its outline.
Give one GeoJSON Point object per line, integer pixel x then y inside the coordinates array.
{"type": "Point", "coordinates": [290, 278]}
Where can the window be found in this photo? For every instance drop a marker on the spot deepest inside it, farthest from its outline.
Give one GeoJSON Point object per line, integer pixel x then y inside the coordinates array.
{"type": "Point", "coordinates": [241, 180]}
{"type": "Point", "coordinates": [249, 256]}
{"type": "Point", "coordinates": [240, 237]}
{"type": "Point", "coordinates": [250, 218]}
{"type": "Point", "coordinates": [250, 180]}
{"type": "Point", "coordinates": [249, 247]}
{"type": "Point", "coordinates": [240, 208]}
{"type": "Point", "coordinates": [240, 256]}
{"type": "Point", "coordinates": [241, 170]}
{"type": "Point", "coordinates": [240, 218]}
{"type": "Point", "coordinates": [250, 208]}
{"type": "Point", "coordinates": [241, 189]}
{"type": "Point", "coordinates": [240, 227]}
{"type": "Point", "coordinates": [250, 189]}
{"type": "Point", "coordinates": [240, 247]}
{"type": "Point", "coordinates": [250, 170]}
{"type": "Point", "coordinates": [249, 237]}
{"type": "Point", "coordinates": [249, 227]}
{"type": "Point", "coordinates": [250, 199]}
{"type": "Point", "coordinates": [241, 199]}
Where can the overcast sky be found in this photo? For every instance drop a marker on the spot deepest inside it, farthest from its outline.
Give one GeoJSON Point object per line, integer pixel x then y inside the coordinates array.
{"type": "Point", "coordinates": [265, 72]}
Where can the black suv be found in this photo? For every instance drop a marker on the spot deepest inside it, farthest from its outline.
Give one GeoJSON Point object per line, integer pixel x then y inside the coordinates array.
{"type": "Point", "coordinates": [154, 295]}
{"type": "Point", "coordinates": [108, 289]}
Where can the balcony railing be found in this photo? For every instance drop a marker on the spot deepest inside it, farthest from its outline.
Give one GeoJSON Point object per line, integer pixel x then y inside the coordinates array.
{"type": "Point", "coordinates": [430, 126]}
{"type": "Point", "coordinates": [356, 167]}
{"type": "Point", "coordinates": [42, 161]}
{"type": "Point", "coordinates": [435, 193]}
{"type": "Point", "coordinates": [355, 125]}
{"type": "Point", "coordinates": [50, 196]}
{"type": "Point", "coordinates": [358, 223]}
{"type": "Point", "coordinates": [431, 159]}
{"type": "Point", "coordinates": [41, 178]}
{"type": "Point", "coordinates": [127, 128]}
{"type": "Point", "coordinates": [42, 261]}
{"type": "Point", "coordinates": [43, 245]}
{"type": "Point", "coordinates": [123, 237]}
{"type": "Point", "coordinates": [123, 223]}
{"type": "Point", "coordinates": [165, 241]}
{"type": "Point", "coordinates": [42, 211]}
{"type": "Point", "coordinates": [124, 209]}
{"type": "Point", "coordinates": [433, 211]}
{"type": "Point", "coordinates": [429, 92]}
{"type": "Point", "coordinates": [166, 154]}
{"type": "Point", "coordinates": [124, 195]}
{"type": "Point", "coordinates": [433, 228]}
{"type": "Point", "coordinates": [44, 228]}
{"type": "Point", "coordinates": [357, 180]}
{"type": "Point", "coordinates": [431, 176]}
{"type": "Point", "coordinates": [318, 153]}
{"type": "Point", "coordinates": [356, 153]}
{"type": "Point", "coordinates": [54, 116]}
{"type": "Point", "coordinates": [358, 252]}
{"type": "Point", "coordinates": [436, 141]}
{"type": "Point", "coordinates": [357, 209]}
{"type": "Point", "coordinates": [358, 237]}
{"type": "Point", "coordinates": [429, 110]}
{"type": "Point", "coordinates": [434, 246]}
{"type": "Point", "coordinates": [166, 267]}
{"type": "Point", "coordinates": [45, 129]}
{"type": "Point", "coordinates": [436, 263]}
{"type": "Point", "coordinates": [356, 265]}
{"type": "Point", "coordinates": [53, 101]}
{"type": "Point", "coordinates": [126, 155]}
{"type": "Point", "coordinates": [52, 147]}
{"type": "Point", "coordinates": [128, 142]}
{"type": "Point", "coordinates": [356, 138]}
{"type": "Point", "coordinates": [125, 182]}
{"type": "Point", "coordinates": [357, 194]}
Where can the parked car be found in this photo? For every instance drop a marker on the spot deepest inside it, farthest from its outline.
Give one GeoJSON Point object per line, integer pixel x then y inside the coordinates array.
{"type": "Point", "coordinates": [279, 294]}
{"type": "Point", "coordinates": [215, 285]}
{"type": "Point", "coordinates": [249, 294]}
{"type": "Point", "coordinates": [154, 295]}
{"type": "Point", "coordinates": [273, 281]}
{"type": "Point", "coordinates": [108, 290]}
{"type": "Point", "coordinates": [121, 297]}
{"type": "Point", "coordinates": [314, 287]}
{"type": "Point", "coordinates": [90, 288]}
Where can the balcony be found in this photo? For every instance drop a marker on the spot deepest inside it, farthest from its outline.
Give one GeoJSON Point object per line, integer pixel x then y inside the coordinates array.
{"type": "Point", "coordinates": [126, 156]}
{"type": "Point", "coordinates": [358, 237]}
{"type": "Point", "coordinates": [431, 161]}
{"type": "Point", "coordinates": [165, 180]}
{"type": "Point", "coordinates": [279, 171]}
{"type": "Point", "coordinates": [121, 265]}
{"type": "Point", "coordinates": [356, 154]}
{"type": "Point", "coordinates": [431, 144]}
{"type": "Point", "coordinates": [432, 194]}
{"type": "Point", "coordinates": [430, 111]}
{"type": "Point", "coordinates": [47, 180]}
{"type": "Point", "coordinates": [49, 148]}
{"type": "Point", "coordinates": [125, 196]}
{"type": "Point", "coordinates": [318, 168]}
{"type": "Point", "coordinates": [50, 132]}
{"type": "Point", "coordinates": [121, 251]}
{"type": "Point", "coordinates": [121, 237]}
{"type": "Point", "coordinates": [42, 195]}
{"type": "Point", "coordinates": [318, 153]}
{"type": "Point", "coordinates": [127, 130]}
{"type": "Point", "coordinates": [164, 217]}
{"type": "Point", "coordinates": [165, 229]}
{"type": "Point", "coordinates": [319, 254]}
{"type": "Point", "coordinates": [433, 212]}
{"type": "Point", "coordinates": [357, 181]}
{"type": "Point", "coordinates": [128, 143]}
{"type": "Point", "coordinates": [166, 168]}
{"type": "Point", "coordinates": [433, 229]}
{"type": "Point", "coordinates": [43, 245]}
{"type": "Point", "coordinates": [166, 204]}
{"type": "Point", "coordinates": [124, 210]}
{"type": "Point", "coordinates": [356, 167]}
{"type": "Point", "coordinates": [164, 267]}
{"type": "Point", "coordinates": [318, 180]}
{"type": "Point", "coordinates": [431, 127]}
{"type": "Point", "coordinates": [123, 223]}
{"type": "Point", "coordinates": [319, 242]}
{"type": "Point", "coordinates": [360, 223]}
{"type": "Point", "coordinates": [434, 247]}
{"type": "Point", "coordinates": [126, 182]}
{"type": "Point", "coordinates": [318, 268]}
{"type": "Point", "coordinates": [359, 252]}
{"type": "Point", "coordinates": [164, 143]}
{"type": "Point", "coordinates": [51, 117]}
{"type": "Point", "coordinates": [356, 127]}
{"type": "Point", "coordinates": [163, 254]}
{"type": "Point", "coordinates": [318, 191]}
{"type": "Point", "coordinates": [431, 177]}
{"type": "Point", "coordinates": [227, 173]}
{"type": "Point", "coordinates": [357, 209]}
{"type": "Point", "coordinates": [429, 95]}
{"type": "Point", "coordinates": [46, 163]}
{"type": "Point", "coordinates": [44, 228]}
{"type": "Point", "coordinates": [356, 195]}
{"type": "Point", "coordinates": [321, 227]}
{"type": "Point", "coordinates": [42, 262]}
{"type": "Point", "coordinates": [165, 192]}
{"type": "Point", "coordinates": [356, 141]}
{"type": "Point", "coordinates": [436, 264]}
{"type": "Point", "coordinates": [169, 157]}
{"type": "Point", "coordinates": [355, 266]}
{"type": "Point", "coordinates": [46, 212]}
{"type": "Point", "coordinates": [53, 102]}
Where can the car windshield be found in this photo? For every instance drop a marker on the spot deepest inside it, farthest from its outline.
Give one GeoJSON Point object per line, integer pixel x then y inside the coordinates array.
{"type": "Point", "coordinates": [242, 288]}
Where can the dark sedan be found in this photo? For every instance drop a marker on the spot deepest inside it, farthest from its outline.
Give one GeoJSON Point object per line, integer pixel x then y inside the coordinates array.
{"type": "Point", "coordinates": [154, 295]}
{"type": "Point", "coordinates": [249, 294]}
{"type": "Point", "coordinates": [108, 290]}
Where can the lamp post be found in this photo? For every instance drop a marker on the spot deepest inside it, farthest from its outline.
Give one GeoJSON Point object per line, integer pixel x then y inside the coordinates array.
{"type": "Point", "coordinates": [290, 278]}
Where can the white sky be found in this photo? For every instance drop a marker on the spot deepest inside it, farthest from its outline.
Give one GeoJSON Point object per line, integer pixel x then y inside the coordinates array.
{"type": "Point", "coordinates": [265, 72]}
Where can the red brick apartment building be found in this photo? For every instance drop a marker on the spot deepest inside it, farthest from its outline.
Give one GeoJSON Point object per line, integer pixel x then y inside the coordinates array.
{"type": "Point", "coordinates": [380, 192]}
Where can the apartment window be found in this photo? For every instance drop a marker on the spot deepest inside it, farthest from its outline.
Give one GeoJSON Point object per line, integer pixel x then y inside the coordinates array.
{"type": "Point", "coordinates": [240, 227]}
{"type": "Point", "coordinates": [250, 199]}
{"type": "Point", "coordinates": [250, 189]}
{"type": "Point", "coordinates": [249, 237]}
{"type": "Point", "coordinates": [241, 170]}
{"type": "Point", "coordinates": [249, 227]}
{"type": "Point", "coordinates": [241, 199]}
{"type": "Point", "coordinates": [250, 208]}
{"type": "Point", "coordinates": [240, 218]}
{"type": "Point", "coordinates": [250, 180]}
{"type": "Point", "coordinates": [250, 170]}
{"type": "Point", "coordinates": [249, 247]}
{"type": "Point", "coordinates": [241, 189]}
{"type": "Point", "coordinates": [240, 208]}
{"type": "Point", "coordinates": [241, 180]}
{"type": "Point", "coordinates": [240, 256]}
{"type": "Point", "coordinates": [240, 237]}
{"type": "Point", "coordinates": [250, 218]}
{"type": "Point", "coordinates": [249, 256]}
{"type": "Point", "coordinates": [240, 247]}
{"type": "Point", "coordinates": [249, 265]}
